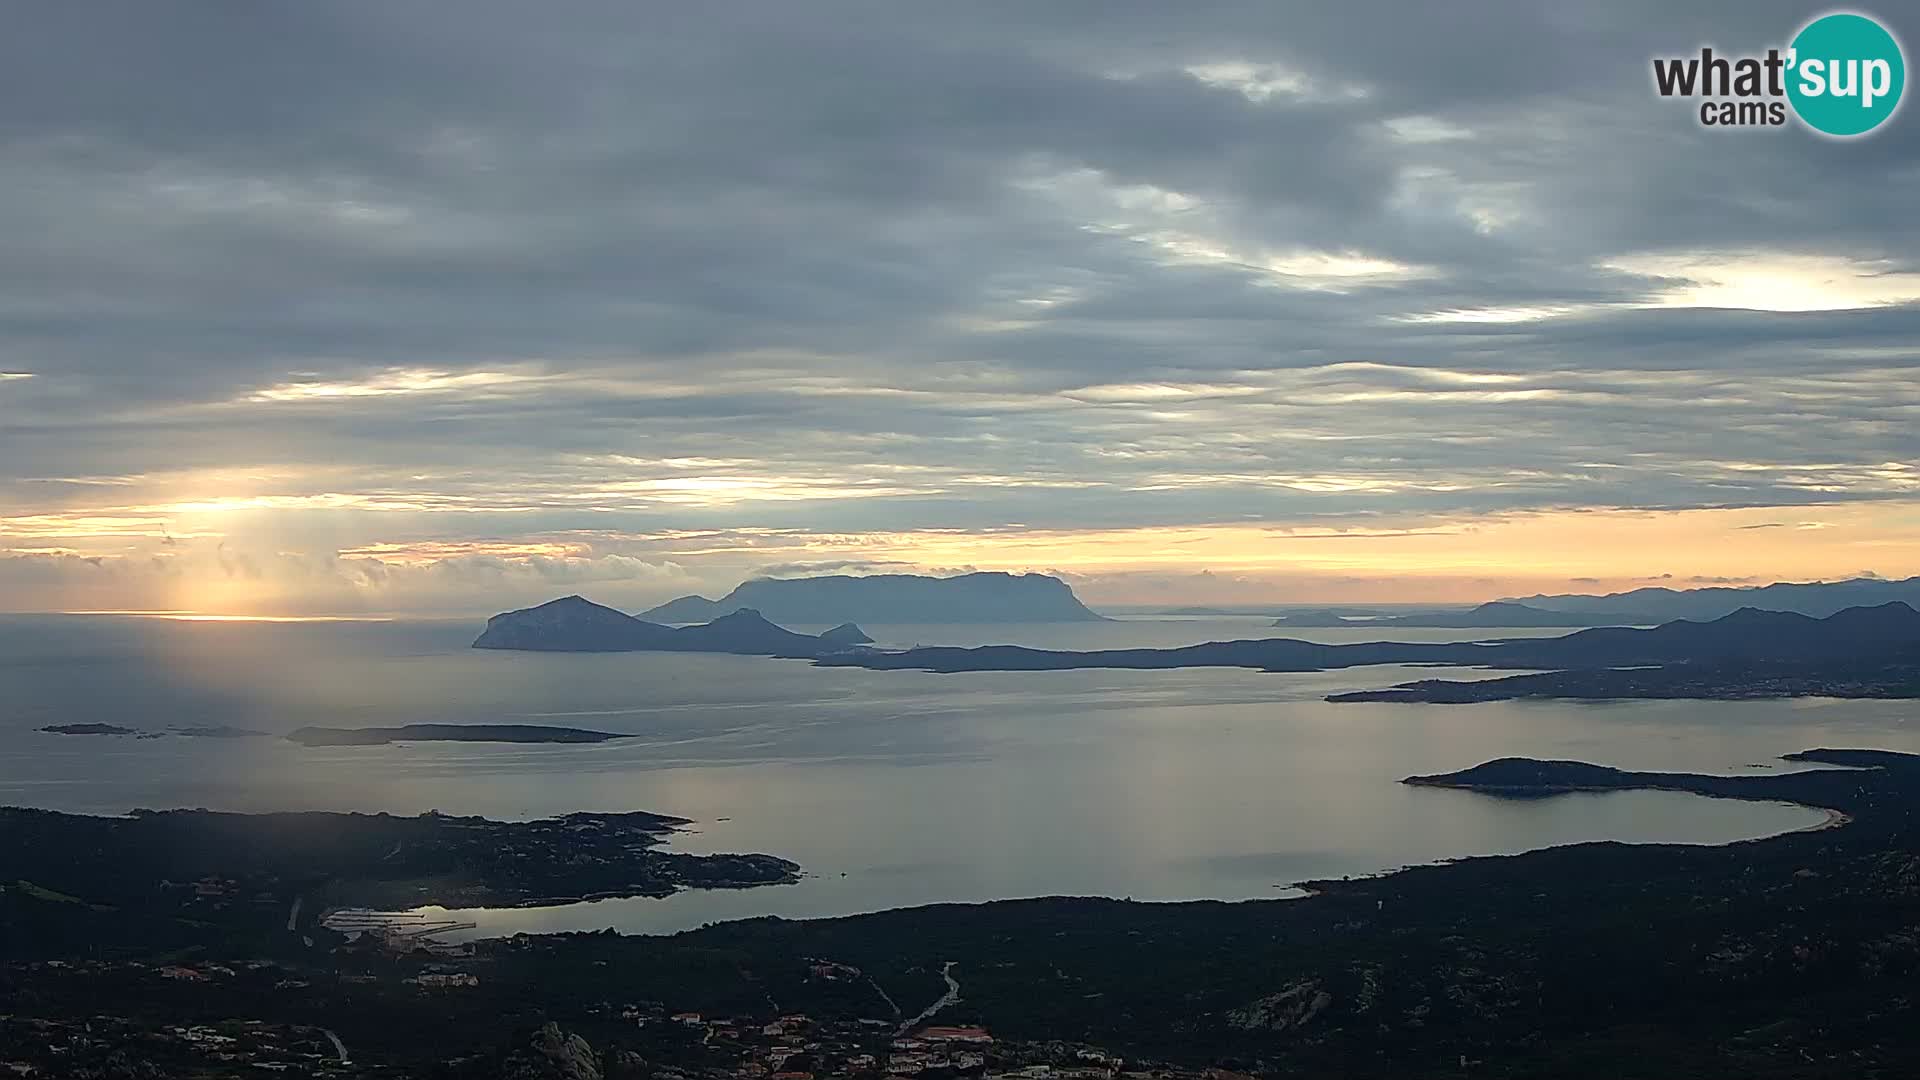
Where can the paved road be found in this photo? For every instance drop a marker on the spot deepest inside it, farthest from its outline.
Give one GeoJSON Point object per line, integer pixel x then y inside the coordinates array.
{"type": "Point", "coordinates": [952, 995]}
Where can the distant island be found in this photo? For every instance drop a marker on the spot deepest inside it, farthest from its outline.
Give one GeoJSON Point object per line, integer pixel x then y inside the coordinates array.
{"type": "Point", "coordinates": [1495, 615]}
{"type": "Point", "coordinates": [1533, 777]}
{"type": "Point", "coordinates": [1816, 598]}
{"type": "Point", "coordinates": [216, 731]}
{"type": "Point", "coordinates": [1530, 777]}
{"type": "Point", "coordinates": [889, 598]}
{"type": "Point", "coordinates": [508, 733]}
{"type": "Point", "coordinates": [1859, 652]}
{"type": "Point", "coordinates": [1856, 635]}
{"type": "Point", "coordinates": [576, 624]}
{"type": "Point", "coordinates": [1639, 607]}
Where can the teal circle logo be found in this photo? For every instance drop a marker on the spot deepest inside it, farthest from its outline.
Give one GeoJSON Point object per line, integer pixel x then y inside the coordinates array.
{"type": "Point", "coordinates": [1845, 74]}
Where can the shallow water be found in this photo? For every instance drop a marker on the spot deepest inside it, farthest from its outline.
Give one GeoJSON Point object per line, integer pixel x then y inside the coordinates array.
{"type": "Point", "coordinates": [916, 787]}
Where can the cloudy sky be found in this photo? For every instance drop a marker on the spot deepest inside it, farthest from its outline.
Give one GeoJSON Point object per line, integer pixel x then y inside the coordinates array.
{"type": "Point", "coordinates": [408, 306]}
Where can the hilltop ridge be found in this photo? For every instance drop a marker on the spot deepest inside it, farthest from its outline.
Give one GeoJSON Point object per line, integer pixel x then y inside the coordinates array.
{"type": "Point", "coordinates": [985, 597]}
{"type": "Point", "coordinates": [1890, 631]}
{"type": "Point", "coordinates": [576, 624]}
{"type": "Point", "coordinates": [1816, 598]}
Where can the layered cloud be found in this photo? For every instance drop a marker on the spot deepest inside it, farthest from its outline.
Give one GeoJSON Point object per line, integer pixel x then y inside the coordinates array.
{"type": "Point", "coordinates": [383, 302]}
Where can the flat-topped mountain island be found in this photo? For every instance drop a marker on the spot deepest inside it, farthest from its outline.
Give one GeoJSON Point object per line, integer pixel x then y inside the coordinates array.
{"type": "Point", "coordinates": [988, 597]}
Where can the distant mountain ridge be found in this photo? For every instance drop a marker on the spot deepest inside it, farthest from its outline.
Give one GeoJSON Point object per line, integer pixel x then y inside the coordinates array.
{"type": "Point", "coordinates": [1491, 615]}
{"type": "Point", "coordinates": [1816, 598]}
{"type": "Point", "coordinates": [1889, 630]}
{"type": "Point", "coordinates": [576, 624]}
{"type": "Point", "coordinates": [1750, 633]}
{"type": "Point", "coordinates": [987, 597]}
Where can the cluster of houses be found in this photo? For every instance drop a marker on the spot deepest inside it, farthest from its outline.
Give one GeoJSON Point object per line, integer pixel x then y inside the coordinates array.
{"type": "Point", "coordinates": [99, 1046]}
{"type": "Point", "coordinates": [796, 1047]}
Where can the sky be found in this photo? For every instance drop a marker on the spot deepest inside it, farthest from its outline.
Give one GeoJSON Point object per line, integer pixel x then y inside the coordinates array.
{"type": "Point", "coordinates": [399, 306]}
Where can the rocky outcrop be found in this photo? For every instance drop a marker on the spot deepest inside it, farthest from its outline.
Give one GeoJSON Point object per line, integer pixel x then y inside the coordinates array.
{"type": "Point", "coordinates": [1293, 1007]}
{"type": "Point", "coordinates": [553, 1054]}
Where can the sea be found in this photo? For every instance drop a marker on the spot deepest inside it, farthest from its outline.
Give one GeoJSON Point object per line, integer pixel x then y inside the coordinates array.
{"type": "Point", "coordinates": [890, 789]}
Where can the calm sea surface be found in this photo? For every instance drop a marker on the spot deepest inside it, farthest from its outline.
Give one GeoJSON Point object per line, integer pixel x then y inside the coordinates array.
{"type": "Point", "coordinates": [890, 788]}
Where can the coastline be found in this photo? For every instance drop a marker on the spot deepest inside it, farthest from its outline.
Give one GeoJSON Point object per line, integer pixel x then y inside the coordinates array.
{"type": "Point", "coordinates": [651, 920]}
{"type": "Point", "coordinates": [1424, 963]}
{"type": "Point", "coordinates": [1835, 819]}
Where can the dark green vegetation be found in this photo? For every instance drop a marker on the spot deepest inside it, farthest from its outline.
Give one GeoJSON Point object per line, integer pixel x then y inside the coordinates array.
{"type": "Point", "coordinates": [1890, 631]}
{"type": "Point", "coordinates": [87, 729]}
{"type": "Point", "coordinates": [509, 733]}
{"type": "Point", "coordinates": [575, 624]}
{"type": "Point", "coordinates": [178, 876]}
{"type": "Point", "coordinates": [1890, 679]}
{"type": "Point", "coordinates": [1824, 788]}
{"type": "Point", "coordinates": [1795, 956]}
{"type": "Point", "coordinates": [125, 1048]}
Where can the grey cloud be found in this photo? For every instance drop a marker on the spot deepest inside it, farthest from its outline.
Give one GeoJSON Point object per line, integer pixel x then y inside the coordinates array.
{"type": "Point", "coordinates": [856, 243]}
{"type": "Point", "coordinates": [836, 566]}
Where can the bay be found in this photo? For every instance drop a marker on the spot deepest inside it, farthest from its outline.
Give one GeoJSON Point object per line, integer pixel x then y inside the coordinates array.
{"type": "Point", "coordinates": [889, 788]}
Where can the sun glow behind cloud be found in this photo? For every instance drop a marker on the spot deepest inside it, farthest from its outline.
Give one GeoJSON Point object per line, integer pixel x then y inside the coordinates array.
{"type": "Point", "coordinates": [389, 383]}
{"type": "Point", "coordinates": [1064, 291]}
{"type": "Point", "coordinates": [1336, 447]}
{"type": "Point", "coordinates": [198, 616]}
{"type": "Point", "coordinates": [1273, 82]}
{"type": "Point", "coordinates": [1766, 281]}
{"type": "Point", "coordinates": [1428, 559]}
{"type": "Point", "coordinates": [1497, 315]}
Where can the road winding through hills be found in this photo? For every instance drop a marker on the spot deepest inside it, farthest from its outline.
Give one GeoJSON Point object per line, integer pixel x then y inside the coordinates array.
{"type": "Point", "coordinates": [952, 995]}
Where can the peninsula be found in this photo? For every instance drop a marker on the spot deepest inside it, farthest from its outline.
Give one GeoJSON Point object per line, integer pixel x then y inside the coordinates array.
{"type": "Point", "coordinates": [1868, 678]}
{"type": "Point", "coordinates": [158, 867]}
